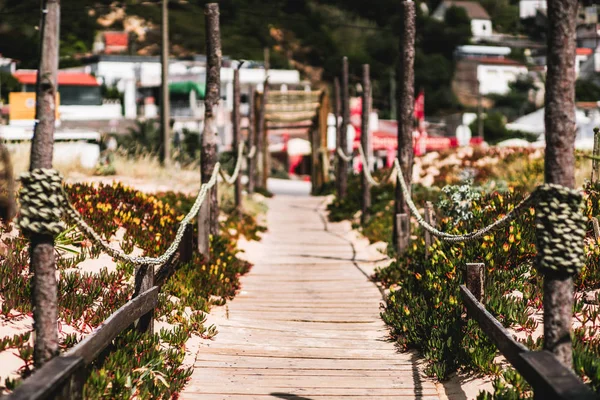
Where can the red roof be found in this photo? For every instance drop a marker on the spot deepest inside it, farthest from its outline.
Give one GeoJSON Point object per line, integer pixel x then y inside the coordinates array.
{"type": "Point", "coordinates": [64, 78]}
{"type": "Point", "coordinates": [584, 51]}
{"type": "Point", "coordinates": [116, 41]}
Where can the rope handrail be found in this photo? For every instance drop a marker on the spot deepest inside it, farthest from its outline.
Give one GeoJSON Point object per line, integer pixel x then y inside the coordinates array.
{"type": "Point", "coordinates": [252, 152]}
{"type": "Point", "coordinates": [343, 156]}
{"type": "Point", "coordinates": [367, 169]}
{"type": "Point", "coordinates": [527, 201]}
{"type": "Point", "coordinates": [44, 202]}
{"type": "Point", "coordinates": [230, 180]}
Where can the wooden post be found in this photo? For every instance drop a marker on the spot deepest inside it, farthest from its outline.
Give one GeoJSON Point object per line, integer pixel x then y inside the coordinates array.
{"type": "Point", "coordinates": [237, 189]}
{"type": "Point", "coordinates": [596, 227]}
{"type": "Point", "coordinates": [213, 88]}
{"type": "Point", "coordinates": [324, 109]}
{"type": "Point", "coordinates": [144, 280]}
{"type": "Point", "coordinates": [474, 280]}
{"type": "Point", "coordinates": [560, 164]}
{"type": "Point", "coordinates": [365, 142]}
{"type": "Point", "coordinates": [406, 94]}
{"type": "Point", "coordinates": [251, 142]}
{"type": "Point", "coordinates": [343, 164]}
{"type": "Point", "coordinates": [402, 226]}
{"type": "Point", "coordinates": [165, 127]}
{"type": "Point", "coordinates": [338, 135]}
{"type": "Point", "coordinates": [257, 141]}
{"type": "Point", "coordinates": [41, 250]}
{"type": "Point", "coordinates": [596, 156]}
{"type": "Point", "coordinates": [265, 135]}
{"type": "Point", "coordinates": [314, 155]}
{"type": "Point", "coordinates": [186, 247]}
{"type": "Point", "coordinates": [261, 132]}
{"type": "Point", "coordinates": [431, 220]}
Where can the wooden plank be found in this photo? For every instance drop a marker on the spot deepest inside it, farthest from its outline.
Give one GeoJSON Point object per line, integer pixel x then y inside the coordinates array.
{"type": "Point", "coordinates": [501, 337]}
{"type": "Point", "coordinates": [552, 380]}
{"type": "Point", "coordinates": [541, 369]}
{"type": "Point", "coordinates": [306, 323]}
{"type": "Point", "coordinates": [95, 342]}
{"type": "Point", "coordinates": [48, 381]}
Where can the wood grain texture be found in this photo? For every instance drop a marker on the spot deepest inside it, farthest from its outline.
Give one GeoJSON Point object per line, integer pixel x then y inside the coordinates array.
{"type": "Point", "coordinates": [95, 342]}
{"type": "Point", "coordinates": [304, 327]}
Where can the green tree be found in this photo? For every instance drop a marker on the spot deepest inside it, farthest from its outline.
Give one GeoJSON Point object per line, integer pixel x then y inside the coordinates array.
{"type": "Point", "coordinates": [587, 90]}
{"type": "Point", "coordinates": [8, 83]}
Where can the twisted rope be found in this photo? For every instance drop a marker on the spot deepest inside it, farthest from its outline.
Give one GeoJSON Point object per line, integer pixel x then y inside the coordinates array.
{"type": "Point", "coordinates": [230, 180]}
{"type": "Point", "coordinates": [343, 155]}
{"type": "Point", "coordinates": [41, 198]}
{"type": "Point", "coordinates": [560, 229]}
{"type": "Point", "coordinates": [367, 169]}
{"type": "Point", "coordinates": [525, 203]}
{"type": "Point", "coordinates": [89, 232]}
{"type": "Point", "coordinates": [252, 152]}
{"type": "Point", "coordinates": [44, 203]}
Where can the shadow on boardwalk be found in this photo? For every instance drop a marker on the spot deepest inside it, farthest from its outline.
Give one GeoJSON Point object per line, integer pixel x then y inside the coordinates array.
{"type": "Point", "coordinates": [306, 323]}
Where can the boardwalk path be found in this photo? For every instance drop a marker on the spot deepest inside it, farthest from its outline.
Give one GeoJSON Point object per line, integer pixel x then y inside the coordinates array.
{"type": "Point", "coordinates": [306, 324]}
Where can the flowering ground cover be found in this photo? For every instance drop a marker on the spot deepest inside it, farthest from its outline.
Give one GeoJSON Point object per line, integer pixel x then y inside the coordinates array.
{"type": "Point", "coordinates": [135, 366]}
{"type": "Point", "coordinates": [424, 309]}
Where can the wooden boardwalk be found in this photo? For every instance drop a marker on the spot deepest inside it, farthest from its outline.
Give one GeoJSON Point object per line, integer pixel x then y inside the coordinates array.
{"type": "Point", "coordinates": [306, 324]}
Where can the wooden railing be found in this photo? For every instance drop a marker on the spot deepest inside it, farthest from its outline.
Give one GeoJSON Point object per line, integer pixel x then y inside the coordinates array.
{"type": "Point", "coordinates": [64, 376]}
{"type": "Point", "coordinates": [548, 377]}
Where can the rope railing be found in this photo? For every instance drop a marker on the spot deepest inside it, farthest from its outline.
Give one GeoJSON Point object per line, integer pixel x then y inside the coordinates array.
{"type": "Point", "coordinates": [527, 201]}
{"type": "Point", "coordinates": [230, 180]}
{"type": "Point", "coordinates": [560, 224]}
{"type": "Point", "coordinates": [343, 155]}
{"type": "Point", "coordinates": [44, 202]}
{"type": "Point", "coordinates": [367, 169]}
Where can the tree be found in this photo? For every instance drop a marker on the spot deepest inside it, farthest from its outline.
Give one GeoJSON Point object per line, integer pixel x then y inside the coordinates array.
{"type": "Point", "coordinates": [587, 90]}
{"type": "Point", "coordinates": [560, 164]}
{"type": "Point", "coordinates": [8, 83]}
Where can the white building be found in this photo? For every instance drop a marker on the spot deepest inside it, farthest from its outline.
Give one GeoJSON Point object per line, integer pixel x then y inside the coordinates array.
{"type": "Point", "coordinates": [529, 8]}
{"type": "Point", "coordinates": [495, 76]}
{"type": "Point", "coordinates": [484, 70]}
{"type": "Point", "coordinates": [481, 23]}
{"type": "Point", "coordinates": [128, 73]}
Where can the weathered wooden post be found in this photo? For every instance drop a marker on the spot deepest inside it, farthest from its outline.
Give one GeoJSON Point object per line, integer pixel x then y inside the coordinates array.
{"type": "Point", "coordinates": [365, 142]}
{"type": "Point", "coordinates": [265, 135]}
{"type": "Point", "coordinates": [431, 220]}
{"type": "Point", "coordinates": [343, 137]}
{"type": "Point", "coordinates": [596, 227]}
{"type": "Point", "coordinates": [42, 264]}
{"type": "Point", "coordinates": [314, 155]}
{"type": "Point", "coordinates": [406, 94]}
{"type": "Point", "coordinates": [208, 222]}
{"type": "Point", "coordinates": [560, 165]}
{"type": "Point", "coordinates": [596, 156]}
{"type": "Point", "coordinates": [324, 109]}
{"type": "Point", "coordinates": [338, 136]}
{"type": "Point", "coordinates": [165, 109]}
{"type": "Point", "coordinates": [144, 280]}
{"type": "Point", "coordinates": [251, 143]}
{"type": "Point", "coordinates": [237, 189]}
{"type": "Point", "coordinates": [261, 139]}
{"type": "Point", "coordinates": [474, 280]}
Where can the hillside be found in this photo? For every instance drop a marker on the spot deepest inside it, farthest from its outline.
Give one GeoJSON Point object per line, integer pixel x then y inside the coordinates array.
{"type": "Point", "coordinates": [310, 35]}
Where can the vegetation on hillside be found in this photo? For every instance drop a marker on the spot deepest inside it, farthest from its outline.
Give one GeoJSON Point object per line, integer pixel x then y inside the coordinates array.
{"type": "Point", "coordinates": [309, 35]}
